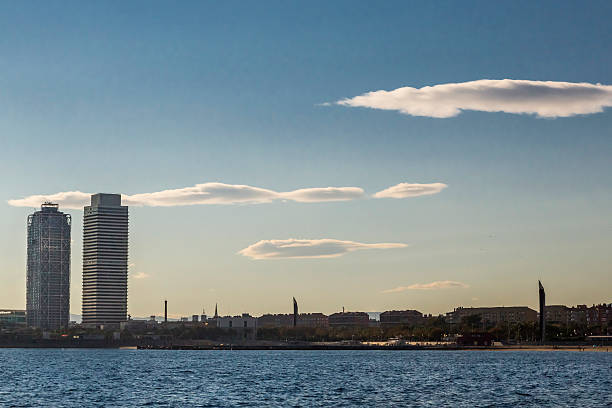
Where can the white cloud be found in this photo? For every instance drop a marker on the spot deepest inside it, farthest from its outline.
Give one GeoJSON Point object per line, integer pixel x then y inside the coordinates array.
{"type": "Point", "coordinates": [406, 190]}
{"type": "Point", "coordinates": [428, 286]}
{"type": "Point", "coordinates": [74, 200]}
{"type": "Point", "coordinates": [308, 248]}
{"type": "Point", "coordinates": [140, 275]}
{"type": "Point", "coordinates": [547, 99]}
{"type": "Point", "coordinates": [314, 195]}
{"type": "Point", "coordinates": [206, 193]}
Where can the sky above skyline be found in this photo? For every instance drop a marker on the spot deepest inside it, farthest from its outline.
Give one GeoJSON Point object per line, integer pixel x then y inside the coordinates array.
{"type": "Point", "coordinates": [373, 156]}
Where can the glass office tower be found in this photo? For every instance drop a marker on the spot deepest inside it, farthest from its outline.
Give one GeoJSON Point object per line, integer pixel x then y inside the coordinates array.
{"type": "Point", "coordinates": [48, 268]}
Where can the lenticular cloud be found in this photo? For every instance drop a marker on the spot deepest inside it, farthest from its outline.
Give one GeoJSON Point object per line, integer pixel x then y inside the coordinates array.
{"type": "Point", "coordinates": [407, 190]}
{"type": "Point", "coordinates": [308, 248]}
{"type": "Point", "coordinates": [429, 286]}
{"type": "Point", "coordinates": [220, 193]}
{"type": "Point", "coordinates": [545, 99]}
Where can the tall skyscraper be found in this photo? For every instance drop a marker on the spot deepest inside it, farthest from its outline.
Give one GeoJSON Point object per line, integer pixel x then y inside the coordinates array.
{"type": "Point", "coordinates": [105, 260]}
{"type": "Point", "coordinates": [48, 268]}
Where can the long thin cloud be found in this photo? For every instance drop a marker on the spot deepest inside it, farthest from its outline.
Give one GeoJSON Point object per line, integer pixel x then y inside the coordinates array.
{"type": "Point", "coordinates": [220, 194]}
{"type": "Point", "coordinates": [428, 286]}
{"type": "Point", "coordinates": [545, 99]}
{"type": "Point", "coordinates": [308, 248]}
{"type": "Point", "coordinates": [407, 190]}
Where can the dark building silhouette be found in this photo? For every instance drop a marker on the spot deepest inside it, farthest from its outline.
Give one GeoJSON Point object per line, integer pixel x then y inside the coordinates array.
{"type": "Point", "coordinates": [286, 320]}
{"type": "Point", "coordinates": [349, 319]}
{"type": "Point", "coordinates": [401, 318]}
{"type": "Point", "coordinates": [295, 312]}
{"type": "Point", "coordinates": [105, 260]}
{"type": "Point", "coordinates": [542, 312]}
{"type": "Point", "coordinates": [48, 268]}
{"type": "Point", "coordinates": [491, 316]}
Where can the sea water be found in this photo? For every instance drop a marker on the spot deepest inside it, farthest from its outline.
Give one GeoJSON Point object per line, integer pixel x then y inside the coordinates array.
{"type": "Point", "coordinates": [129, 378]}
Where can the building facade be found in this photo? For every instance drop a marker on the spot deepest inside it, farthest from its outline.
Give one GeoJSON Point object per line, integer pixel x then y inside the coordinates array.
{"type": "Point", "coordinates": [581, 315]}
{"type": "Point", "coordinates": [48, 268]}
{"type": "Point", "coordinates": [105, 260]}
{"type": "Point", "coordinates": [557, 314]}
{"type": "Point", "coordinates": [286, 320]}
{"type": "Point", "coordinates": [494, 315]}
{"type": "Point", "coordinates": [245, 321]}
{"type": "Point", "coordinates": [12, 318]}
{"type": "Point", "coordinates": [349, 319]}
{"type": "Point", "coordinates": [401, 318]}
{"type": "Point", "coordinates": [599, 315]}
{"type": "Point", "coordinates": [312, 320]}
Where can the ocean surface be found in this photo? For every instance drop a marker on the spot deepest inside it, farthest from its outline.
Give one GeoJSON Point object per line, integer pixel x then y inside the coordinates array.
{"type": "Point", "coordinates": [128, 378]}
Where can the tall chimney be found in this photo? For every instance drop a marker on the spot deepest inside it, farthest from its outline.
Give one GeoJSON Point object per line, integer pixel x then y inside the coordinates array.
{"type": "Point", "coordinates": [165, 311]}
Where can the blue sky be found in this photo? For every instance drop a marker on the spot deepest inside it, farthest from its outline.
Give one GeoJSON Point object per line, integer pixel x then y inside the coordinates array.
{"type": "Point", "coordinates": [145, 96]}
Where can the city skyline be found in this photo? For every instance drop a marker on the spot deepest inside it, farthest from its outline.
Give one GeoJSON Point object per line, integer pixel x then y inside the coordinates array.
{"type": "Point", "coordinates": [376, 158]}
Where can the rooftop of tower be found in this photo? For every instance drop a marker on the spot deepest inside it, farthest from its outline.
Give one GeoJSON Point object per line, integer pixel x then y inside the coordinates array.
{"type": "Point", "coordinates": [106, 200]}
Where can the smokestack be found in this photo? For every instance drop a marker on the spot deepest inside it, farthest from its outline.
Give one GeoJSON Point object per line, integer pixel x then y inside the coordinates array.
{"type": "Point", "coordinates": [165, 311]}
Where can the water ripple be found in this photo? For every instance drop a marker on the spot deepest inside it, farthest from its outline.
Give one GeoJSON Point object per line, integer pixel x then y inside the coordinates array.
{"type": "Point", "coordinates": [161, 378]}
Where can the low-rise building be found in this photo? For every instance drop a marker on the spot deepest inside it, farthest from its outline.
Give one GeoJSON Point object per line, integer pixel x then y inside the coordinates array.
{"type": "Point", "coordinates": [349, 319]}
{"type": "Point", "coordinates": [401, 318]}
{"type": "Point", "coordinates": [557, 314]}
{"type": "Point", "coordinates": [246, 321]}
{"type": "Point", "coordinates": [494, 315]}
{"type": "Point", "coordinates": [12, 317]}
{"type": "Point", "coordinates": [599, 315]}
{"type": "Point", "coordinates": [596, 315]}
{"type": "Point", "coordinates": [286, 320]}
{"type": "Point", "coordinates": [275, 320]}
{"type": "Point", "coordinates": [578, 314]}
{"type": "Point", "coordinates": [313, 320]}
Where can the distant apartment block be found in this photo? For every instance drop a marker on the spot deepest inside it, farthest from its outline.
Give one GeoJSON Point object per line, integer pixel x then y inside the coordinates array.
{"type": "Point", "coordinates": [557, 314]}
{"type": "Point", "coordinates": [599, 315]}
{"type": "Point", "coordinates": [48, 268]}
{"type": "Point", "coordinates": [286, 320]}
{"type": "Point", "coordinates": [401, 318]}
{"type": "Point", "coordinates": [349, 319]}
{"type": "Point", "coordinates": [105, 260]}
{"type": "Point", "coordinates": [596, 315]}
{"type": "Point", "coordinates": [494, 315]}
{"type": "Point", "coordinates": [313, 320]}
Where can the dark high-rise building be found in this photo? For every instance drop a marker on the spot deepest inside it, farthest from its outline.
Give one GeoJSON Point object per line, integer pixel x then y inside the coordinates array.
{"type": "Point", "coordinates": [48, 268]}
{"type": "Point", "coordinates": [542, 312]}
{"type": "Point", "coordinates": [295, 312]}
{"type": "Point", "coordinates": [105, 260]}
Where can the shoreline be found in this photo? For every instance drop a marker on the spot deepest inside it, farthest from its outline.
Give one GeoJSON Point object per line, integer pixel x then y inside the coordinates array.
{"type": "Point", "coordinates": [312, 347]}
